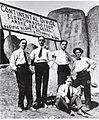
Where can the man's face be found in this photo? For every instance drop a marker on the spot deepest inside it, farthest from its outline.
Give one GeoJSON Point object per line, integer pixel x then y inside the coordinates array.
{"type": "Point", "coordinates": [63, 45]}
{"type": "Point", "coordinates": [23, 44]}
{"type": "Point", "coordinates": [78, 53]}
{"type": "Point", "coordinates": [69, 81]}
{"type": "Point", "coordinates": [41, 41]}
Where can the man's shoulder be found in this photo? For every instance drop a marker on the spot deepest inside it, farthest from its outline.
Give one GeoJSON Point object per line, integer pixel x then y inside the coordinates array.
{"type": "Point", "coordinates": [63, 86]}
{"type": "Point", "coordinates": [16, 51]}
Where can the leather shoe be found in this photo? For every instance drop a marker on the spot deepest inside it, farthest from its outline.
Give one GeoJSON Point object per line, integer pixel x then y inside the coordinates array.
{"type": "Point", "coordinates": [81, 113]}
{"type": "Point", "coordinates": [37, 105]}
{"type": "Point", "coordinates": [20, 109]}
{"type": "Point", "coordinates": [72, 113]}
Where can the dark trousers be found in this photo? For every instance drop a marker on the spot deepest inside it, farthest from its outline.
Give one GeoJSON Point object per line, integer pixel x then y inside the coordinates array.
{"type": "Point", "coordinates": [41, 76]}
{"type": "Point", "coordinates": [63, 72]}
{"type": "Point", "coordinates": [84, 78]}
{"type": "Point", "coordinates": [62, 105]}
{"type": "Point", "coordinates": [24, 80]}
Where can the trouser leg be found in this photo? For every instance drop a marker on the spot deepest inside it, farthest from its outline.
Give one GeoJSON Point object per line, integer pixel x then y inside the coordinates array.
{"type": "Point", "coordinates": [38, 80]}
{"type": "Point", "coordinates": [28, 89]}
{"type": "Point", "coordinates": [21, 85]}
{"type": "Point", "coordinates": [87, 94]}
{"type": "Point", "coordinates": [62, 105]}
{"type": "Point", "coordinates": [63, 72]}
{"type": "Point", "coordinates": [61, 78]}
{"type": "Point", "coordinates": [45, 83]}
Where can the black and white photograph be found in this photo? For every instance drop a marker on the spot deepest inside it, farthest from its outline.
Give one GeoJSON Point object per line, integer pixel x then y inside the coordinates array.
{"type": "Point", "coordinates": [49, 59]}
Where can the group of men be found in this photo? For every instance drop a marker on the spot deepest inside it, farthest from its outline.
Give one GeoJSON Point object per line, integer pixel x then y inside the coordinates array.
{"type": "Point", "coordinates": [39, 64]}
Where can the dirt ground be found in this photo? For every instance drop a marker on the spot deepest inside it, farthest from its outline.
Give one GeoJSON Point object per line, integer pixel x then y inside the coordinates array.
{"type": "Point", "coordinates": [9, 98]}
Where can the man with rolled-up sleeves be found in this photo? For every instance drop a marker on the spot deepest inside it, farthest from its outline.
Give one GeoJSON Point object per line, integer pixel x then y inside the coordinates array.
{"type": "Point", "coordinates": [19, 64]}
{"type": "Point", "coordinates": [82, 67]}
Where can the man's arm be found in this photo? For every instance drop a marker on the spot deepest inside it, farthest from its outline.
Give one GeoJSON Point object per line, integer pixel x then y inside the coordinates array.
{"type": "Point", "coordinates": [13, 62]}
{"type": "Point", "coordinates": [92, 64]}
{"type": "Point", "coordinates": [31, 63]}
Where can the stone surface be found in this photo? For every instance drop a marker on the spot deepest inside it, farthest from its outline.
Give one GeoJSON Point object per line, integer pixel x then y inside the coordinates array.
{"type": "Point", "coordinates": [11, 43]}
{"type": "Point", "coordinates": [72, 28]}
{"type": "Point", "coordinates": [93, 34]}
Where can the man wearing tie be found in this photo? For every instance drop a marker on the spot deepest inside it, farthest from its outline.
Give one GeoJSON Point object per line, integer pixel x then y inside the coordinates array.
{"type": "Point", "coordinates": [39, 60]}
{"type": "Point", "coordinates": [67, 96]}
{"type": "Point", "coordinates": [20, 66]}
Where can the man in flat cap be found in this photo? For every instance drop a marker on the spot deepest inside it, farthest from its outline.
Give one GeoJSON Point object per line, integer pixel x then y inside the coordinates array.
{"type": "Point", "coordinates": [82, 67]}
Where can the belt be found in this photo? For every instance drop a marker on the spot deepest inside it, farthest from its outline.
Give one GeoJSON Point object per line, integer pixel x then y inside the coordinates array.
{"type": "Point", "coordinates": [40, 63]}
{"type": "Point", "coordinates": [82, 72]}
{"type": "Point", "coordinates": [22, 65]}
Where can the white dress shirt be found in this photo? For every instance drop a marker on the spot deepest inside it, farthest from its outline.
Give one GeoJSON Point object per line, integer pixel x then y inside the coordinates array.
{"type": "Point", "coordinates": [17, 57]}
{"type": "Point", "coordinates": [60, 57]}
{"type": "Point", "coordinates": [35, 55]}
{"type": "Point", "coordinates": [63, 90]}
{"type": "Point", "coordinates": [84, 63]}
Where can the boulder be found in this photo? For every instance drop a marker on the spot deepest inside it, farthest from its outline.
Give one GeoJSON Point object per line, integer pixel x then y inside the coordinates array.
{"type": "Point", "coordinates": [93, 35]}
{"type": "Point", "coordinates": [72, 28]}
{"type": "Point", "coordinates": [29, 48]}
{"type": "Point", "coordinates": [11, 43]}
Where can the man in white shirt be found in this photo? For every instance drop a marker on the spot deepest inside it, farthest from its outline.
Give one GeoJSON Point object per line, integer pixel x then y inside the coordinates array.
{"type": "Point", "coordinates": [39, 60]}
{"type": "Point", "coordinates": [82, 67]}
{"type": "Point", "coordinates": [62, 59]}
{"type": "Point", "coordinates": [67, 96]}
{"type": "Point", "coordinates": [19, 65]}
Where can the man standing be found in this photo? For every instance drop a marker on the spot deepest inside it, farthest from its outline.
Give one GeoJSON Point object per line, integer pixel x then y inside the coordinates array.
{"type": "Point", "coordinates": [19, 64]}
{"type": "Point", "coordinates": [39, 59]}
{"type": "Point", "coordinates": [82, 67]}
{"type": "Point", "coordinates": [62, 59]}
{"type": "Point", "coordinates": [67, 96]}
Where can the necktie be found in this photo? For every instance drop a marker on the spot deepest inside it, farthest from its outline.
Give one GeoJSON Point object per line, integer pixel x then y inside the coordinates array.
{"type": "Point", "coordinates": [68, 93]}
{"type": "Point", "coordinates": [40, 53]}
{"type": "Point", "coordinates": [25, 57]}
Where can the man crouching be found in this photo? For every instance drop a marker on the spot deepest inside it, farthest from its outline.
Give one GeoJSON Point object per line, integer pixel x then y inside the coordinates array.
{"type": "Point", "coordinates": [68, 96]}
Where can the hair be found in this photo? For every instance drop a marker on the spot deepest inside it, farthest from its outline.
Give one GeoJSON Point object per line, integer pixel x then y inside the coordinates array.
{"type": "Point", "coordinates": [70, 77]}
{"type": "Point", "coordinates": [23, 39]}
{"type": "Point", "coordinates": [40, 37]}
{"type": "Point", "coordinates": [64, 41]}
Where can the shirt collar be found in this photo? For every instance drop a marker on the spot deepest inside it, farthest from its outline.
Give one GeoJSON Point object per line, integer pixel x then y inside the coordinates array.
{"type": "Point", "coordinates": [21, 49]}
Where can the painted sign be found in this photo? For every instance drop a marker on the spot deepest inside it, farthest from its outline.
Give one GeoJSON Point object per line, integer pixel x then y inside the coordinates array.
{"type": "Point", "coordinates": [19, 20]}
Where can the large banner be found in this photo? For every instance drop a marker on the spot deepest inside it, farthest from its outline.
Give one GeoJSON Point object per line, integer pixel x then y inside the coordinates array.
{"type": "Point", "coordinates": [19, 20]}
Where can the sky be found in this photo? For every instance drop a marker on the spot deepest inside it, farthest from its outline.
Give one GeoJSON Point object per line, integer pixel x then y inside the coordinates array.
{"type": "Point", "coordinates": [44, 7]}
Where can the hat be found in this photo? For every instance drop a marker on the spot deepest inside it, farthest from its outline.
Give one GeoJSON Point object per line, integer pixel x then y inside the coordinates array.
{"type": "Point", "coordinates": [81, 50]}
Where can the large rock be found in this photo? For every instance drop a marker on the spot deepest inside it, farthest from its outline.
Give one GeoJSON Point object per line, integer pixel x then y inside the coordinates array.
{"type": "Point", "coordinates": [72, 28]}
{"type": "Point", "coordinates": [12, 43]}
{"type": "Point", "coordinates": [29, 48]}
{"type": "Point", "coordinates": [93, 34]}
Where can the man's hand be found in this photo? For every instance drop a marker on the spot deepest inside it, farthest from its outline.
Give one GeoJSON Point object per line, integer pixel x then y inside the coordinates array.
{"type": "Point", "coordinates": [32, 68]}
{"type": "Point", "coordinates": [67, 100]}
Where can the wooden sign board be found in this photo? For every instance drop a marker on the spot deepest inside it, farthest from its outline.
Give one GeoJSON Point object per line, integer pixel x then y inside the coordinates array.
{"type": "Point", "coordinates": [18, 20]}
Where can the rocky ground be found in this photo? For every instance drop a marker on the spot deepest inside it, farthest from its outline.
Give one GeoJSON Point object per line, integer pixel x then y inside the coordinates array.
{"type": "Point", "coordinates": [9, 98]}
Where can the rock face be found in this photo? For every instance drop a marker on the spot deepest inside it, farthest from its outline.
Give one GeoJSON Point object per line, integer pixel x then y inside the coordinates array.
{"type": "Point", "coordinates": [72, 28]}
{"type": "Point", "coordinates": [93, 34]}
{"type": "Point", "coordinates": [29, 48]}
{"type": "Point", "coordinates": [12, 43]}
